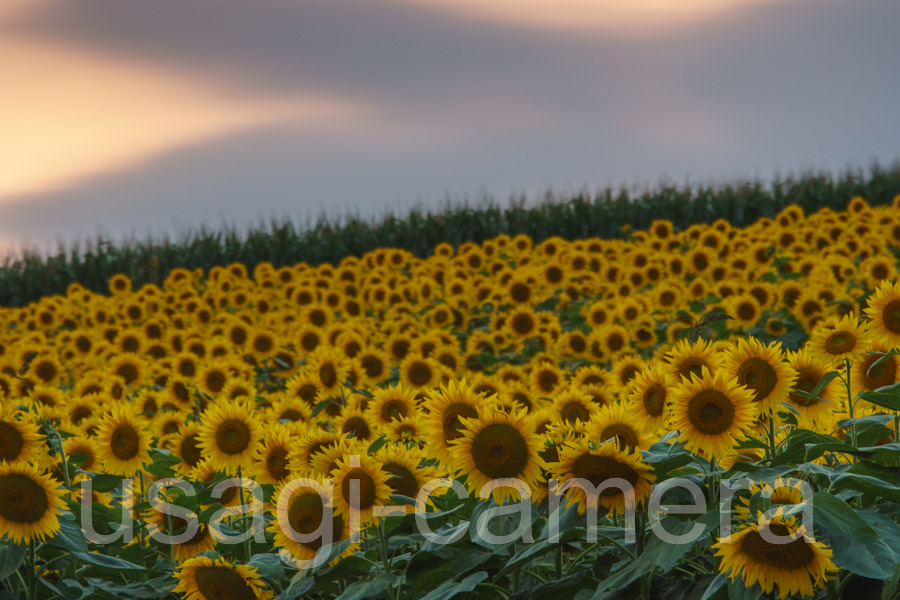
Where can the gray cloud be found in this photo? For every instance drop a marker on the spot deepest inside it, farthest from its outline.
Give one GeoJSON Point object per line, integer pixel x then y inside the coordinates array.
{"type": "Point", "coordinates": [465, 107]}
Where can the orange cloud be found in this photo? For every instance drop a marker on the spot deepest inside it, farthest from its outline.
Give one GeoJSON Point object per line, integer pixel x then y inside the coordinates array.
{"type": "Point", "coordinates": [67, 113]}
{"type": "Point", "coordinates": [615, 17]}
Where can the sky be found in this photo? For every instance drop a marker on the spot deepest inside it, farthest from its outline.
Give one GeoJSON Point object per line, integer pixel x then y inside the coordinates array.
{"type": "Point", "coordinates": [152, 117]}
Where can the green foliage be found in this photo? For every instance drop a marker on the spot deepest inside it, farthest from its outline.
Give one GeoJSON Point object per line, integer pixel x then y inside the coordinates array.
{"type": "Point", "coordinates": [29, 277]}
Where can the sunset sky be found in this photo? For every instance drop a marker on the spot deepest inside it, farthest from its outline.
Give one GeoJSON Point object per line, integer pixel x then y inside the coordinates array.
{"type": "Point", "coordinates": [137, 117]}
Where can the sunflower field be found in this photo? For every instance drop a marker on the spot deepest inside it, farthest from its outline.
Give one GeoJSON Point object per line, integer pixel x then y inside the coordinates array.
{"type": "Point", "coordinates": [697, 413]}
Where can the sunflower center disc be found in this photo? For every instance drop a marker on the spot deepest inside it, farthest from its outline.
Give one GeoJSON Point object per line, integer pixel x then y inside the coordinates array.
{"type": "Point", "coordinates": [305, 512]}
{"type": "Point", "coordinates": [840, 342]}
{"type": "Point", "coordinates": [881, 374]}
{"type": "Point", "coordinates": [807, 383]}
{"type": "Point", "coordinates": [22, 500]}
{"type": "Point", "coordinates": [692, 366]}
{"type": "Point", "coordinates": [891, 316]}
{"type": "Point", "coordinates": [220, 583]}
{"type": "Point", "coordinates": [403, 481]}
{"type": "Point", "coordinates": [124, 442]}
{"type": "Point", "coordinates": [233, 436]}
{"type": "Point", "coordinates": [759, 376]}
{"type": "Point", "coordinates": [500, 451]}
{"type": "Point", "coordinates": [11, 441]}
{"type": "Point", "coordinates": [277, 463]}
{"type": "Point", "coordinates": [419, 374]}
{"type": "Point", "coordinates": [711, 412]}
{"type": "Point", "coordinates": [573, 411]}
{"type": "Point", "coordinates": [366, 488]}
{"type": "Point", "coordinates": [327, 375]}
{"type": "Point", "coordinates": [598, 469]}
{"type": "Point", "coordinates": [451, 420]}
{"type": "Point", "coordinates": [624, 435]}
{"type": "Point", "coordinates": [792, 555]}
{"type": "Point", "coordinates": [653, 400]}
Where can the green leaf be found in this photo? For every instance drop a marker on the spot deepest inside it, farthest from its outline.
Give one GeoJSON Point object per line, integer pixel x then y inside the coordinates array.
{"type": "Point", "coordinates": [105, 483]}
{"type": "Point", "coordinates": [714, 586]}
{"type": "Point", "coordinates": [875, 560]}
{"type": "Point", "coordinates": [360, 590]}
{"type": "Point", "coordinates": [814, 394]}
{"type": "Point", "coordinates": [268, 565]}
{"type": "Point", "coordinates": [108, 562]}
{"type": "Point", "coordinates": [377, 444]}
{"type": "Point", "coordinates": [70, 536]}
{"type": "Point", "coordinates": [162, 464]}
{"type": "Point", "coordinates": [665, 555]}
{"type": "Point", "coordinates": [836, 515]}
{"type": "Point", "coordinates": [887, 396]}
{"type": "Point", "coordinates": [451, 588]}
{"type": "Point", "coordinates": [11, 558]}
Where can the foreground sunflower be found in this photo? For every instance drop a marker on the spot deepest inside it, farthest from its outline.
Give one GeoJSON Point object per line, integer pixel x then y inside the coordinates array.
{"type": "Point", "coordinates": [762, 369]}
{"type": "Point", "coordinates": [598, 464]}
{"type": "Point", "coordinates": [884, 313]}
{"type": "Point", "coordinates": [30, 504]}
{"type": "Point", "coordinates": [123, 444]}
{"type": "Point", "coordinates": [498, 446]}
{"type": "Point", "coordinates": [836, 340]}
{"type": "Point", "coordinates": [712, 412]}
{"type": "Point", "coordinates": [229, 435]}
{"type": "Point", "coordinates": [203, 578]}
{"type": "Point", "coordinates": [797, 567]}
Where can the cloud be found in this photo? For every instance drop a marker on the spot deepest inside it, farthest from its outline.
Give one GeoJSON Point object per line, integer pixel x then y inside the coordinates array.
{"type": "Point", "coordinates": [610, 17]}
{"type": "Point", "coordinates": [68, 113]}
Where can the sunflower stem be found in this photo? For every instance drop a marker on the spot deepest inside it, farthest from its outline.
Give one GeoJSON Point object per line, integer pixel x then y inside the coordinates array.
{"type": "Point", "coordinates": [770, 430]}
{"type": "Point", "coordinates": [140, 500]}
{"type": "Point", "coordinates": [385, 557]}
{"type": "Point", "coordinates": [32, 571]}
{"type": "Point", "coordinates": [850, 406]}
{"type": "Point", "coordinates": [244, 527]}
{"type": "Point", "coordinates": [559, 568]}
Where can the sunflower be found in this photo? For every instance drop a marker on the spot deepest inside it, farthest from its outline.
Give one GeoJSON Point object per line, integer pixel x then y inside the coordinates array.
{"type": "Point", "coordinates": [175, 526]}
{"type": "Point", "coordinates": [613, 422]}
{"type": "Point", "coordinates": [810, 371]}
{"type": "Point", "coordinates": [581, 459]}
{"type": "Point", "coordinates": [303, 451]}
{"type": "Point", "coordinates": [123, 443]}
{"type": "Point", "coordinates": [82, 446]}
{"type": "Point", "coordinates": [352, 421]}
{"type": "Point", "coordinates": [30, 504]}
{"type": "Point", "coordinates": [547, 378]}
{"type": "Point", "coordinates": [687, 359]}
{"type": "Point", "coordinates": [301, 510]}
{"type": "Point", "coordinates": [573, 404]}
{"type": "Point", "coordinates": [837, 340]}
{"type": "Point", "coordinates": [611, 340]}
{"type": "Point", "coordinates": [408, 474]}
{"type": "Point", "coordinates": [444, 408]}
{"type": "Point", "coordinates": [20, 438]}
{"type": "Point", "coordinates": [375, 365]}
{"type": "Point", "coordinates": [778, 493]}
{"type": "Point", "coordinates": [647, 395]}
{"type": "Point", "coordinates": [229, 435]}
{"type": "Point", "coordinates": [712, 412]}
{"type": "Point", "coordinates": [407, 429]}
{"type": "Point", "coordinates": [288, 410]}
{"type": "Point", "coordinates": [877, 368]}
{"type": "Point", "coordinates": [762, 369]}
{"type": "Point", "coordinates": [797, 566]}
{"type": "Point", "coordinates": [390, 404]}
{"type": "Point", "coordinates": [203, 578]}
{"type": "Point", "coordinates": [272, 463]}
{"type": "Point", "coordinates": [186, 446]}
{"type": "Point", "coordinates": [212, 379]}
{"type": "Point", "coordinates": [420, 373]}
{"type": "Point", "coordinates": [521, 323]}
{"type": "Point", "coordinates": [745, 310]}
{"type": "Point", "coordinates": [371, 484]}
{"type": "Point", "coordinates": [498, 446]}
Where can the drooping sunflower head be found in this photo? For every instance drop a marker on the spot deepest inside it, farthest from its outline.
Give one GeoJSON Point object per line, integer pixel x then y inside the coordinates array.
{"type": "Point", "coordinates": [498, 446]}
{"type": "Point", "coordinates": [762, 369]}
{"type": "Point", "coordinates": [712, 412]}
{"type": "Point", "coordinates": [230, 434]}
{"type": "Point", "coordinates": [203, 578]}
{"type": "Point", "coordinates": [583, 468]}
{"type": "Point", "coordinates": [30, 503]}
